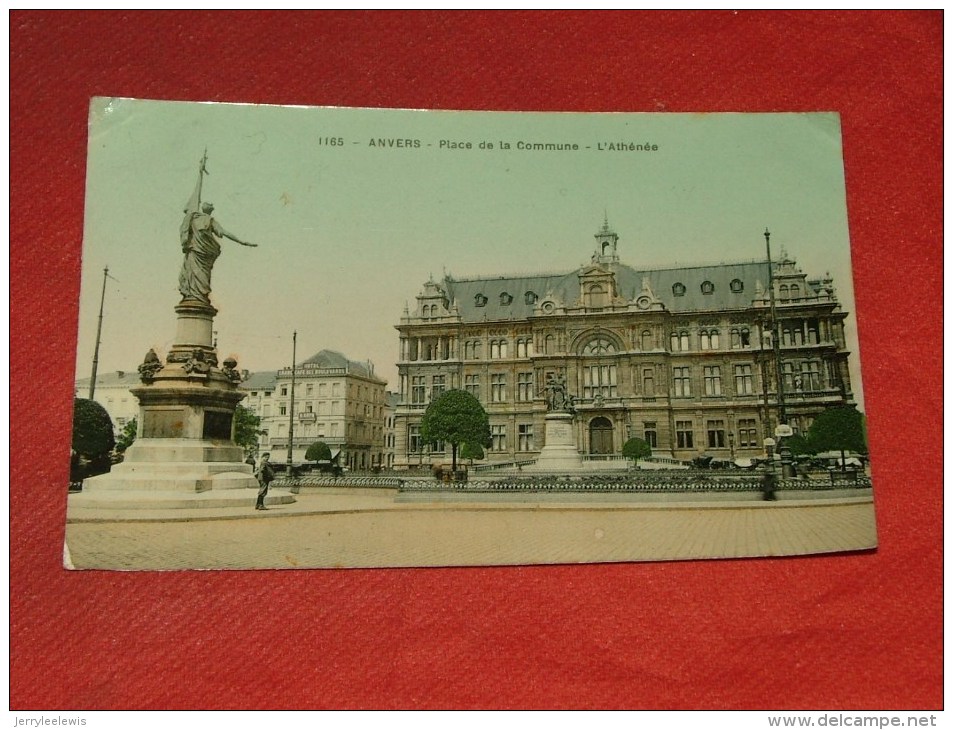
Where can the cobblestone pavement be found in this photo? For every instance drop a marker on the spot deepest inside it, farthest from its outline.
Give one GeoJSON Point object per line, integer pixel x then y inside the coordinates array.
{"type": "Point", "coordinates": [371, 529]}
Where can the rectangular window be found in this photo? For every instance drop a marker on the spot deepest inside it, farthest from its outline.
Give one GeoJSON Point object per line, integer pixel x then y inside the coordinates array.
{"type": "Point", "coordinates": [498, 438]}
{"type": "Point", "coordinates": [282, 410]}
{"type": "Point", "coordinates": [682, 378]}
{"type": "Point", "coordinates": [648, 382]}
{"type": "Point", "coordinates": [524, 386]}
{"type": "Point", "coordinates": [498, 350]}
{"type": "Point", "coordinates": [811, 376]}
{"type": "Point", "coordinates": [418, 390]}
{"type": "Point", "coordinates": [322, 389]}
{"type": "Point", "coordinates": [439, 386]}
{"type": "Point", "coordinates": [744, 383]}
{"type": "Point", "coordinates": [309, 389]}
{"type": "Point", "coordinates": [600, 380]}
{"type": "Point", "coordinates": [498, 388]}
{"type": "Point", "coordinates": [712, 380]}
{"type": "Point", "coordinates": [716, 434]}
{"type": "Point", "coordinates": [787, 371]}
{"type": "Point", "coordinates": [747, 432]}
{"type": "Point", "coordinates": [284, 390]}
{"type": "Point", "coordinates": [684, 435]}
{"type": "Point", "coordinates": [472, 385]}
{"type": "Point", "coordinates": [525, 437]}
{"type": "Point", "coordinates": [651, 434]}
{"type": "Point", "coordinates": [413, 439]}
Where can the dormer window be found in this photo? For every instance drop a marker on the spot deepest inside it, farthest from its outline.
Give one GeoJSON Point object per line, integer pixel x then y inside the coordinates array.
{"type": "Point", "coordinates": [737, 286]}
{"type": "Point", "coordinates": [708, 287]}
{"type": "Point", "coordinates": [479, 300]}
{"type": "Point", "coordinates": [678, 289]}
{"type": "Point", "coordinates": [505, 299]}
{"type": "Point", "coordinates": [531, 297]}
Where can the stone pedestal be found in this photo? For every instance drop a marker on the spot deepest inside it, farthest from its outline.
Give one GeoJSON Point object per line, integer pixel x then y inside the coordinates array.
{"type": "Point", "coordinates": [560, 453]}
{"type": "Point", "coordinates": [185, 440]}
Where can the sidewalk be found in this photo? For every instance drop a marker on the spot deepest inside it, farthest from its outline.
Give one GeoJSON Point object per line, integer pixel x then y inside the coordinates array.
{"type": "Point", "coordinates": [371, 529]}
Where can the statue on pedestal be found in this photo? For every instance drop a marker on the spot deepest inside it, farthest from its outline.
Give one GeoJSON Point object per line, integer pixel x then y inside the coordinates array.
{"type": "Point", "coordinates": [558, 399]}
{"type": "Point", "coordinates": [198, 234]}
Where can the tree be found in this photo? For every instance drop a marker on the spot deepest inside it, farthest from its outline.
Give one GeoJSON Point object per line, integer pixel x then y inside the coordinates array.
{"type": "Point", "coordinates": [92, 430]}
{"type": "Point", "coordinates": [456, 417]}
{"type": "Point", "coordinates": [838, 429]}
{"type": "Point", "coordinates": [636, 448]}
{"type": "Point", "coordinates": [246, 428]}
{"type": "Point", "coordinates": [471, 452]}
{"type": "Point", "coordinates": [127, 436]}
{"type": "Point", "coordinates": [798, 444]}
{"type": "Point", "coordinates": [318, 451]}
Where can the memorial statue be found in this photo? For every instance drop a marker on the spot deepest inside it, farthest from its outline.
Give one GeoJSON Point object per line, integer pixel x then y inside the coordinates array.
{"type": "Point", "coordinates": [198, 234]}
{"type": "Point", "coordinates": [557, 395]}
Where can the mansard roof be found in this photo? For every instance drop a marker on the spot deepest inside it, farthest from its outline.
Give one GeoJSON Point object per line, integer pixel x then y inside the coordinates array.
{"type": "Point", "coordinates": [116, 378]}
{"type": "Point", "coordinates": [464, 294]}
{"type": "Point", "coordinates": [264, 380]}
{"type": "Point", "coordinates": [332, 359]}
{"type": "Point", "coordinates": [564, 288]}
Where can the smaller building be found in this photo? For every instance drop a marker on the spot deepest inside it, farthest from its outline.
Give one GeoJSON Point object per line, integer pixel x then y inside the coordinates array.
{"type": "Point", "coordinates": [336, 400]}
{"type": "Point", "coordinates": [112, 393]}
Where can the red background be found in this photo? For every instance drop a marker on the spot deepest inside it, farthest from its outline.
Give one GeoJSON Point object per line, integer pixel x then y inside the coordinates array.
{"type": "Point", "coordinates": [852, 631]}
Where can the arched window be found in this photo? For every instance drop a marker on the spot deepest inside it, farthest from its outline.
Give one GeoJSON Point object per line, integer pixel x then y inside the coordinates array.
{"type": "Point", "coordinates": [505, 299]}
{"type": "Point", "coordinates": [531, 297]}
{"type": "Point", "coordinates": [784, 291]}
{"type": "Point", "coordinates": [597, 297]}
{"type": "Point", "coordinates": [795, 291]}
{"type": "Point", "coordinates": [710, 340]}
{"type": "Point", "coordinates": [479, 300]}
{"type": "Point", "coordinates": [645, 341]}
{"type": "Point", "coordinates": [678, 289]}
{"type": "Point", "coordinates": [549, 345]}
{"type": "Point", "coordinates": [708, 287]}
{"type": "Point", "coordinates": [737, 286]}
{"type": "Point", "coordinates": [597, 346]}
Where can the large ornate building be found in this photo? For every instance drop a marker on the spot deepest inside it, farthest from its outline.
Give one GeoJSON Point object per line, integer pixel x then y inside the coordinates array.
{"type": "Point", "coordinates": [681, 357]}
{"type": "Point", "coordinates": [336, 400]}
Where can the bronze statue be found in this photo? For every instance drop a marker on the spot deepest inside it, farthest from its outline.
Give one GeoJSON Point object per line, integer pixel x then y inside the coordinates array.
{"type": "Point", "coordinates": [198, 234]}
{"type": "Point", "coordinates": [557, 395]}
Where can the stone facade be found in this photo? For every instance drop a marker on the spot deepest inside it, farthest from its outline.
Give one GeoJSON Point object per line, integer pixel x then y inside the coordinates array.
{"type": "Point", "coordinates": [681, 357]}
{"type": "Point", "coordinates": [336, 400]}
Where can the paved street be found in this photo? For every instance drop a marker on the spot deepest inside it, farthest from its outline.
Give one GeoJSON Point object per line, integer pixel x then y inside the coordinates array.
{"type": "Point", "coordinates": [369, 528]}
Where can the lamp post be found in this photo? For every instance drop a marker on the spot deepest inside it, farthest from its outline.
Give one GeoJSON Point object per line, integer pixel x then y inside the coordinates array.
{"type": "Point", "coordinates": [291, 409]}
{"type": "Point", "coordinates": [99, 332]}
{"type": "Point", "coordinates": [786, 465]}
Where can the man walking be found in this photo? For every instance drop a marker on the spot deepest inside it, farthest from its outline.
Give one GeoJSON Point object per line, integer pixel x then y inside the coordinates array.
{"type": "Point", "coordinates": [266, 475]}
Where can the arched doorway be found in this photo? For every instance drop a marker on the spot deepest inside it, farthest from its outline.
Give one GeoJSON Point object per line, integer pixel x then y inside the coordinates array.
{"type": "Point", "coordinates": [600, 436]}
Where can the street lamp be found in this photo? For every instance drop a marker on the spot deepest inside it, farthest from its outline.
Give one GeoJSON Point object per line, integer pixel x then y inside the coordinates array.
{"type": "Point", "coordinates": [786, 464]}
{"type": "Point", "coordinates": [291, 409]}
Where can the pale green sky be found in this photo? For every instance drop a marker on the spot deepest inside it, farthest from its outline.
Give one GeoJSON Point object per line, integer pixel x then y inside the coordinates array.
{"type": "Point", "coordinates": [348, 234]}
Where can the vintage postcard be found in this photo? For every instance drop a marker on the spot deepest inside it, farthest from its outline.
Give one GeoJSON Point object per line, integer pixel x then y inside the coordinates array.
{"type": "Point", "coordinates": [327, 337]}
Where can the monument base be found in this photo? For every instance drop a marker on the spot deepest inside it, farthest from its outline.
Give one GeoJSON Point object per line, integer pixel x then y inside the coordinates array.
{"type": "Point", "coordinates": [135, 501]}
{"type": "Point", "coordinates": [560, 453]}
{"type": "Point", "coordinates": [177, 466]}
